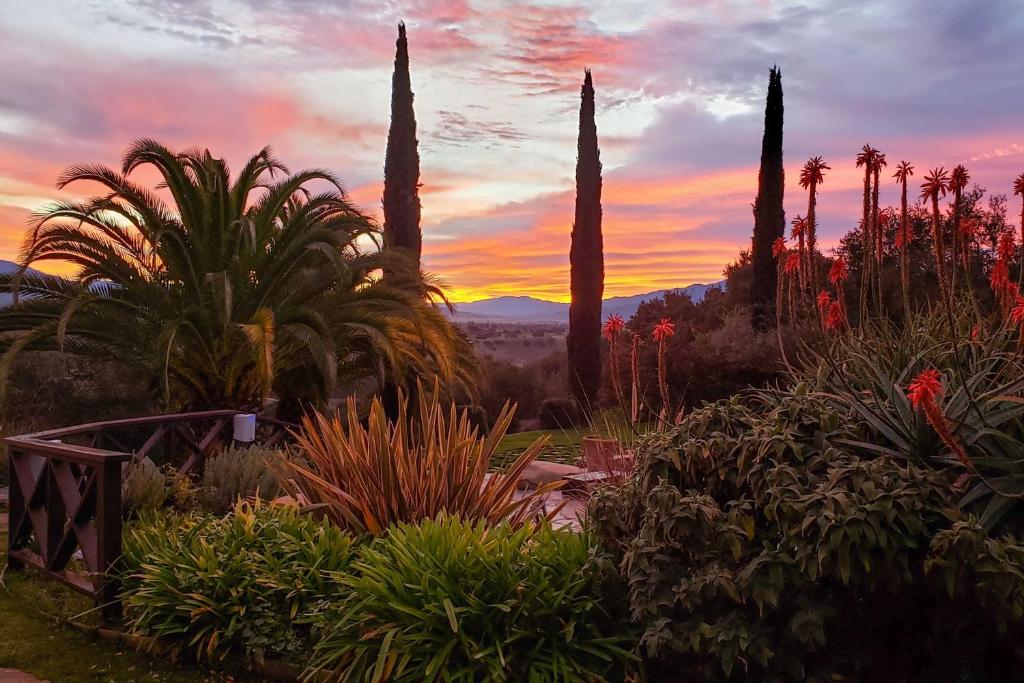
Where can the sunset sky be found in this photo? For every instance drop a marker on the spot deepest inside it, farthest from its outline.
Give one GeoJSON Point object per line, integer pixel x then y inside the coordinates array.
{"type": "Point", "coordinates": [680, 104]}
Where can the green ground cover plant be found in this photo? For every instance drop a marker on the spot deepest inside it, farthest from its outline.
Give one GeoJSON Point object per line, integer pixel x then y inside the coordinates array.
{"type": "Point", "coordinates": [447, 600]}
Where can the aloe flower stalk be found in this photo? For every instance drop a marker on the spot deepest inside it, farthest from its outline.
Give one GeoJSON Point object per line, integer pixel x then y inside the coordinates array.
{"type": "Point", "coordinates": [779, 253]}
{"type": "Point", "coordinates": [662, 332]}
{"type": "Point", "coordinates": [835, 321]}
{"type": "Point", "coordinates": [1018, 188]}
{"type": "Point", "coordinates": [812, 175]}
{"type": "Point", "coordinates": [904, 170]}
{"type": "Point", "coordinates": [799, 233]}
{"type": "Point", "coordinates": [958, 180]}
{"type": "Point", "coordinates": [935, 184]}
{"type": "Point", "coordinates": [634, 369]}
{"type": "Point", "coordinates": [824, 303]}
{"type": "Point", "coordinates": [924, 392]}
{"type": "Point", "coordinates": [612, 327]}
{"type": "Point", "coordinates": [838, 274]}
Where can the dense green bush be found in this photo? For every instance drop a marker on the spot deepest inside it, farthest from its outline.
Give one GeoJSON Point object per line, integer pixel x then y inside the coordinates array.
{"type": "Point", "coordinates": [558, 413]}
{"type": "Point", "coordinates": [757, 545]}
{"type": "Point", "coordinates": [450, 601]}
{"type": "Point", "coordinates": [245, 583]}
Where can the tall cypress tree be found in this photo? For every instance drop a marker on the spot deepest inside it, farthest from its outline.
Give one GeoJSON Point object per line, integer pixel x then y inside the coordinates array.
{"type": "Point", "coordinates": [586, 261]}
{"type": "Point", "coordinates": [769, 216]}
{"type": "Point", "coordinates": [402, 163]}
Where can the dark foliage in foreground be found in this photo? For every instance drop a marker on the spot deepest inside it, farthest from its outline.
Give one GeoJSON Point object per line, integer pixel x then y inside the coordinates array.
{"type": "Point", "coordinates": [756, 546]}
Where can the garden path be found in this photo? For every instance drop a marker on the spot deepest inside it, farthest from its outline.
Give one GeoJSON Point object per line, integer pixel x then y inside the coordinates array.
{"type": "Point", "coordinates": [14, 676]}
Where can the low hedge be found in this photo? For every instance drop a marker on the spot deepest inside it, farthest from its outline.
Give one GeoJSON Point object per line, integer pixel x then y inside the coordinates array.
{"type": "Point", "coordinates": [444, 600]}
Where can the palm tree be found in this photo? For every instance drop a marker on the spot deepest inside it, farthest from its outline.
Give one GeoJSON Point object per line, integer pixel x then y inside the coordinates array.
{"type": "Point", "coordinates": [903, 172]}
{"type": "Point", "coordinates": [866, 158]}
{"type": "Point", "coordinates": [936, 183]}
{"type": "Point", "coordinates": [958, 180]}
{"type": "Point", "coordinates": [226, 291]}
{"type": "Point", "coordinates": [811, 175]}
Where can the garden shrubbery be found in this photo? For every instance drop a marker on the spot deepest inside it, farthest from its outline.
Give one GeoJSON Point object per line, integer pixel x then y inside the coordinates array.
{"type": "Point", "coordinates": [758, 545]}
{"type": "Point", "coordinates": [442, 600]}
{"type": "Point", "coordinates": [447, 600]}
{"type": "Point", "coordinates": [247, 583]}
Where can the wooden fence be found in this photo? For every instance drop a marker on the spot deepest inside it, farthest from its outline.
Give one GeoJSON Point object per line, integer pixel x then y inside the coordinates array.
{"type": "Point", "coordinates": [65, 489]}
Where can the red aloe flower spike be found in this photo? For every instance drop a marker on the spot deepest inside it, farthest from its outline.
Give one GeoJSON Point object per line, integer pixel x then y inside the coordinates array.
{"type": "Point", "coordinates": [839, 272]}
{"type": "Point", "coordinates": [836, 319]}
{"type": "Point", "coordinates": [613, 326]}
{"type": "Point", "coordinates": [1017, 312]}
{"type": "Point", "coordinates": [824, 300]}
{"type": "Point", "coordinates": [663, 330]}
{"type": "Point", "coordinates": [792, 263]}
{"type": "Point", "coordinates": [778, 247]}
{"type": "Point", "coordinates": [924, 392]}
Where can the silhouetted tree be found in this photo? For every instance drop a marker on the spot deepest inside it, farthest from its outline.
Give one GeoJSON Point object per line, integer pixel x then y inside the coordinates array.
{"type": "Point", "coordinates": [769, 216]}
{"type": "Point", "coordinates": [811, 175]}
{"type": "Point", "coordinates": [402, 165]}
{"type": "Point", "coordinates": [586, 261]}
{"type": "Point", "coordinates": [935, 185]}
{"type": "Point", "coordinates": [866, 158]}
{"type": "Point", "coordinates": [902, 175]}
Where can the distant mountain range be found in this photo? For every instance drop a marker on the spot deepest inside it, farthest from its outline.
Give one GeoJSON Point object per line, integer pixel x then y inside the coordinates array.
{"type": "Point", "coordinates": [529, 309]}
{"type": "Point", "coordinates": [509, 309]}
{"type": "Point", "coordinates": [7, 267]}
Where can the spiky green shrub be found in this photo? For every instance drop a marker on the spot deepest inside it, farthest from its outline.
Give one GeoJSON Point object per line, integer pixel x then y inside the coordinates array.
{"type": "Point", "coordinates": [448, 600]}
{"type": "Point", "coordinates": [245, 583]}
{"type": "Point", "coordinates": [239, 473]}
{"type": "Point", "coordinates": [867, 376]}
{"type": "Point", "coordinates": [757, 546]}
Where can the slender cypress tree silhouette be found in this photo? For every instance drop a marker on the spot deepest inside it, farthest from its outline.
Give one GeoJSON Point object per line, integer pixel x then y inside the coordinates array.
{"type": "Point", "coordinates": [402, 165]}
{"type": "Point", "coordinates": [769, 216]}
{"type": "Point", "coordinates": [586, 260]}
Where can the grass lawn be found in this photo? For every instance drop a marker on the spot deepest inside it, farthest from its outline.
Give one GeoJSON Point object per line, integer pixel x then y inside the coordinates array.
{"type": "Point", "coordinates": [36, 638]}
{"type": "Point", "coordinates": [563, 446]}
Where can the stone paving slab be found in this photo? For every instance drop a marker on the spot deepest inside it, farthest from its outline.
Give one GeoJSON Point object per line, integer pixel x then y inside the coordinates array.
{"type": "Point", "coordinates": [12, 676]}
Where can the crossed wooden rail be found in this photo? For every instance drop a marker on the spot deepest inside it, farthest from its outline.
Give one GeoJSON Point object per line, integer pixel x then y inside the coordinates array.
{"type": "Point", "coordinates": [65, 489]}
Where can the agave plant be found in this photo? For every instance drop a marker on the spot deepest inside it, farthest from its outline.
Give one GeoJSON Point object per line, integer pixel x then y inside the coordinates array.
{"type": "Point", "coordinates": [224, 289]}
{"type": "Point", "coordinates": [366, 478]}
